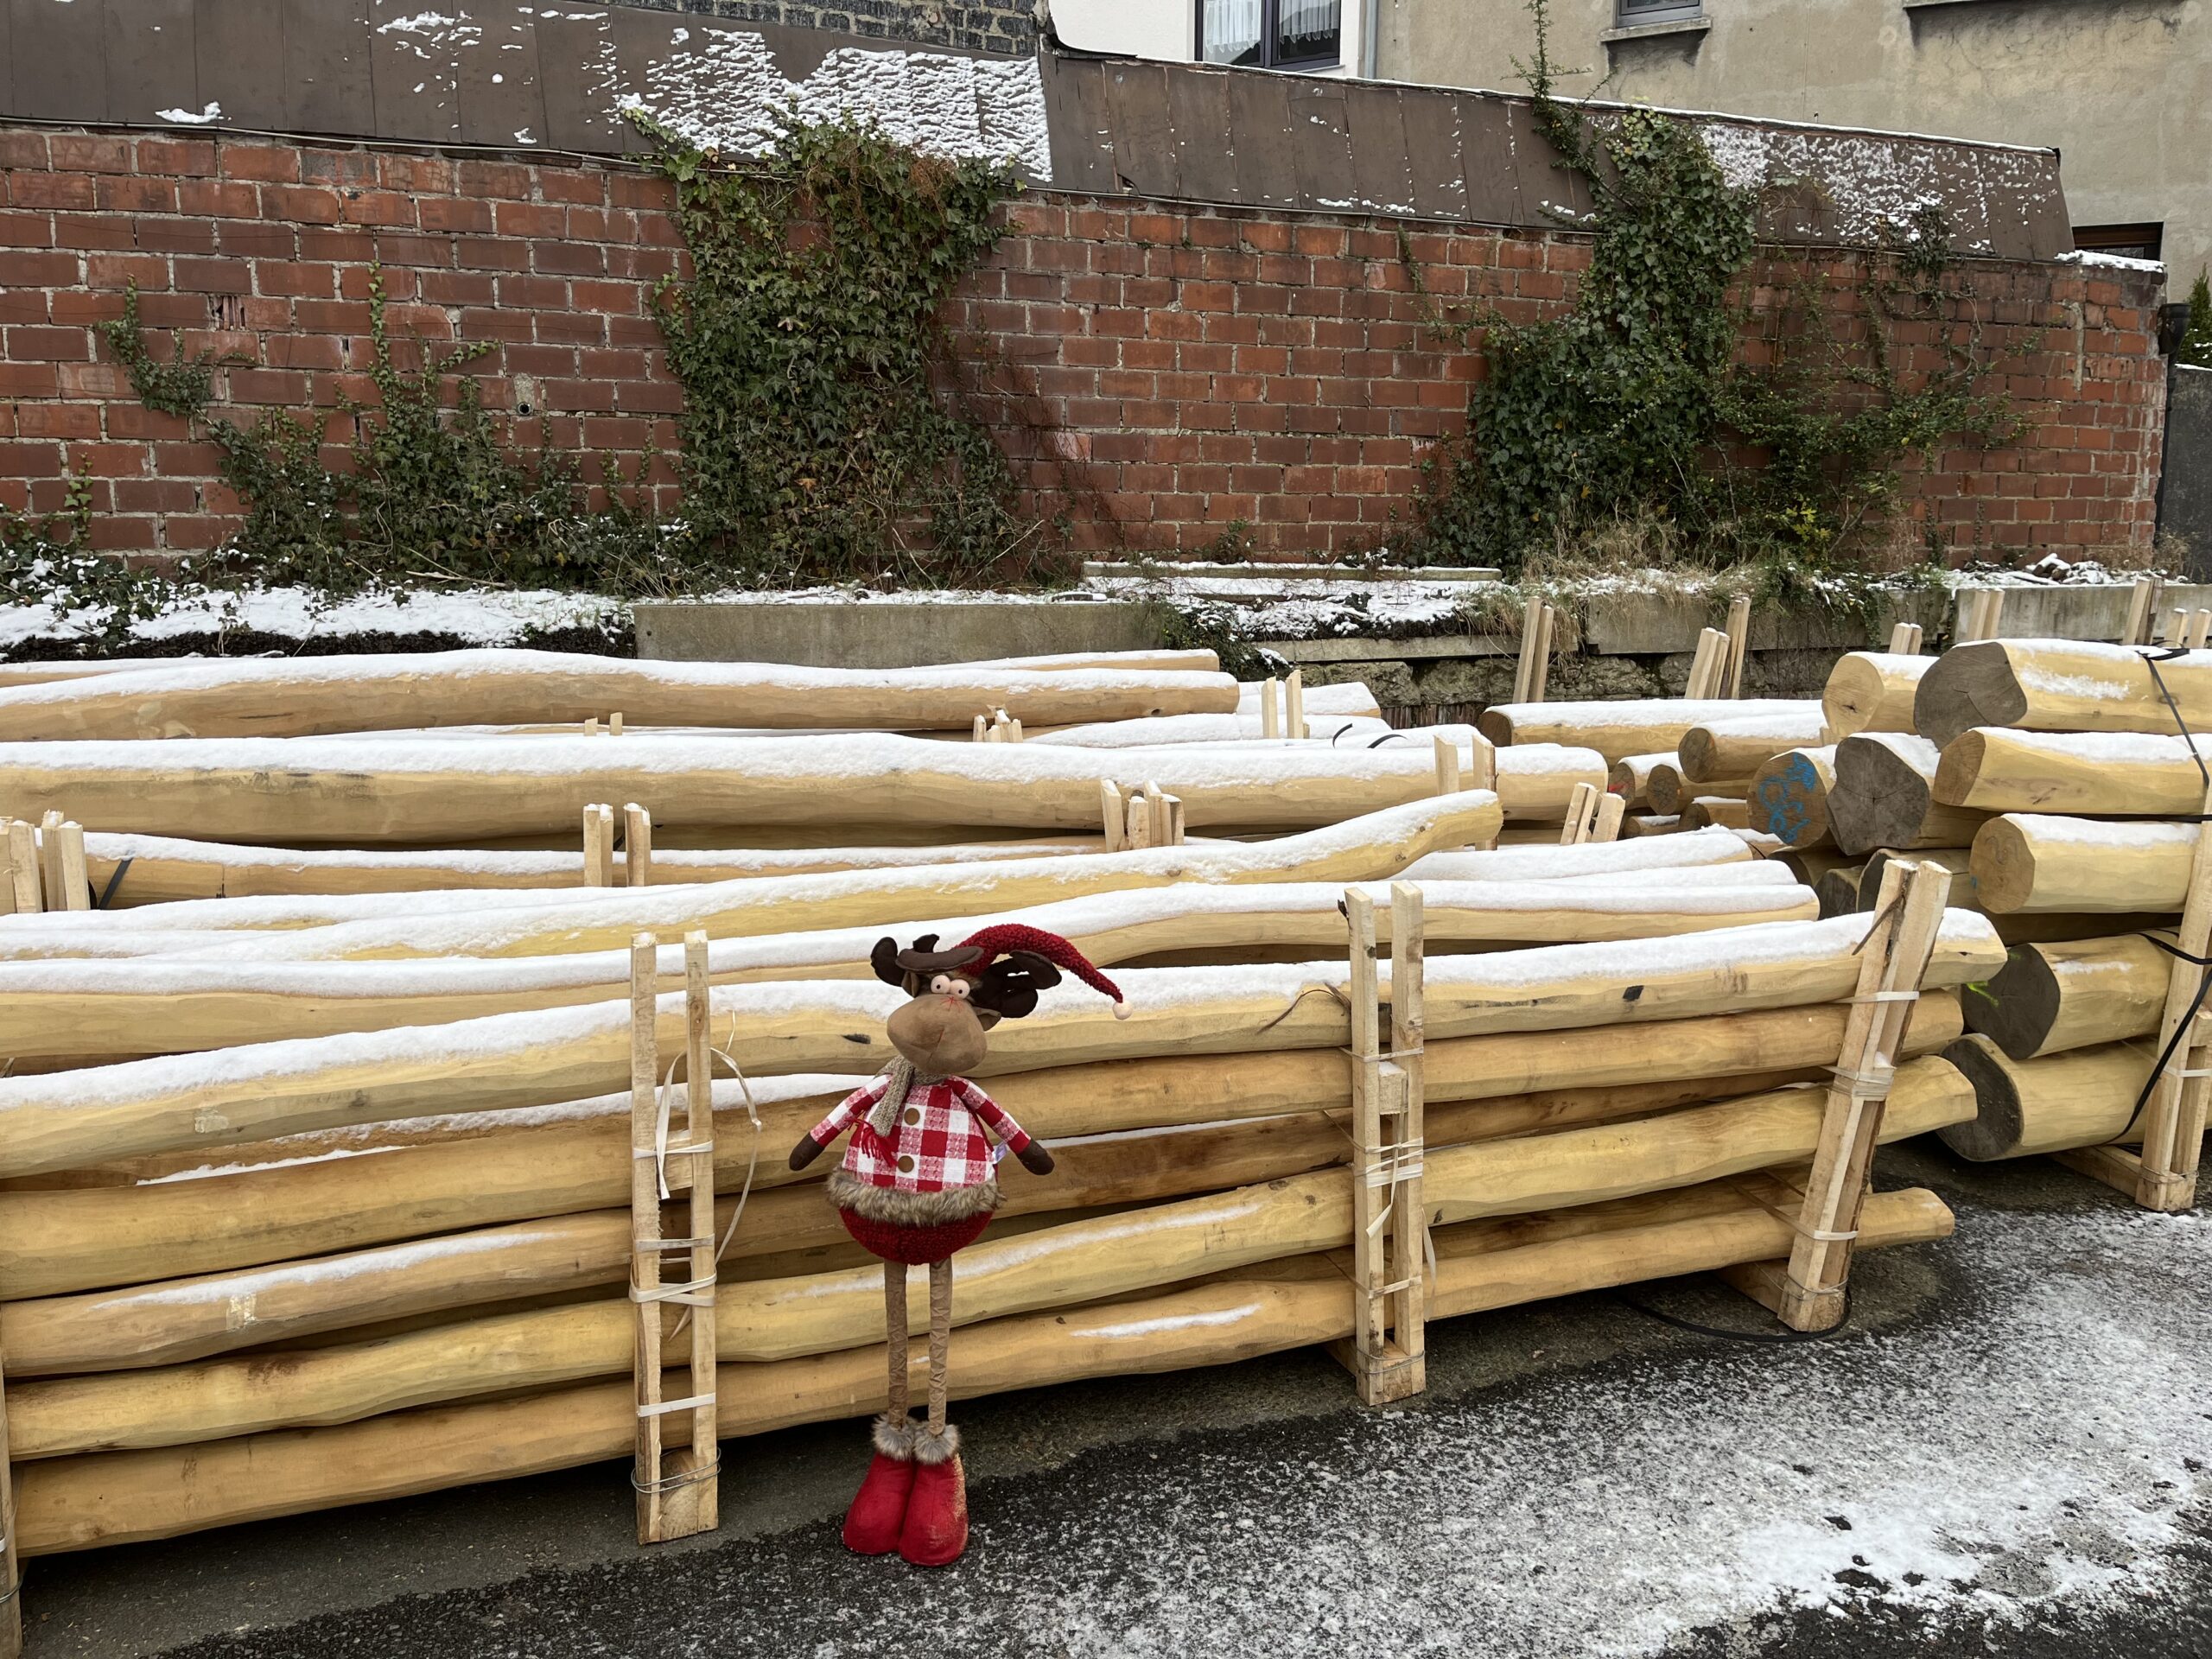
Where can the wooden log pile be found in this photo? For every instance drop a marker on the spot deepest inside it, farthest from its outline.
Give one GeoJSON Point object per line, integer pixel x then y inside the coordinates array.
{"type": "Point", "coordinates": [319, 1165]}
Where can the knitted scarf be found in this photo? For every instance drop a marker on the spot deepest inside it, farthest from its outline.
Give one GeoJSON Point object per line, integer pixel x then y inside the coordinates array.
{"type": "Point", "coordinates": [899, 1079]}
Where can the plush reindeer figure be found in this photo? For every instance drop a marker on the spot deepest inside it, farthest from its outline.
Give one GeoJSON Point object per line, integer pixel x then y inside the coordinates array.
{"type": "Point", "coordinates": [918, 1182]}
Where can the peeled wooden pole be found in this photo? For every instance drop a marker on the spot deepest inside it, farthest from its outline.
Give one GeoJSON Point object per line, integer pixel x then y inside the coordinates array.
{"type": "Point", "coordinates": [95, 1010]}
{"type": "Point", "coordinates": [297, 696]}
{"type": "Point", "coordinates": [57, 1121]}
{"type": "Point", "coordinates": [1788, 797]}
{"type": "Point", "coordinates": [1738, 748]}
{"type": "Point", "coordinates": [2059, 685]}
{"type": "Point", "coordinates": [2087, 1099]}
{"type": "Point", "coordinates": [1080, 1261]}
{"type": "Point", "coordinates": [1630, 777]}
{"type": "Point", "coordinates": [2111, 774]}
{"type": "Point", "coordinates": [1886, 794]}
{"type": "Point", "coordinates": [2051, 998]}
{"type": "Point", "coordinates": [1708, 809]}
{"type": "Point", "coordinates": [2038, 861]}
{"type": "Point", "coordinates": [56, 1242]}
{"type": "Point", "coordinates": [1618, 730]}
{"type": "Point", "coordinates": [1872, 691]}
{"type": "Point", "coordinates": [1837, 890]}
{"type": "Point", "coordinates": [1670, 792]}
{"type": "Point", "coordinates": [78, 1503]}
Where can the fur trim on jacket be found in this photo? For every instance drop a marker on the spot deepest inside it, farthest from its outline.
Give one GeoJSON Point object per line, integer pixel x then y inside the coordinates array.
{"type": "Point", "coordinates": [904, 1209]}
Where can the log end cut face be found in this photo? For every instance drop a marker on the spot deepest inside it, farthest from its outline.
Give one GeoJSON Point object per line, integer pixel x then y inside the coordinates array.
{"type": "Point", "coordinates": [1969, 686]}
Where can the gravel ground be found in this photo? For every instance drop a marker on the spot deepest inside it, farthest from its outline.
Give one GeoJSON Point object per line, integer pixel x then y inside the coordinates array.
{"type": "Point", "coordinates": [2005, 1453]}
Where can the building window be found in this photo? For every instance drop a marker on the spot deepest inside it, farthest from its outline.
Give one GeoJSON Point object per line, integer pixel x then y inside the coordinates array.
{"type": "Point", "coordinates": [2130, 241]}
{"type": "Point", "coordinates": [1629, 13]}
{"type": "Point", "coordinates": [1271, 34]}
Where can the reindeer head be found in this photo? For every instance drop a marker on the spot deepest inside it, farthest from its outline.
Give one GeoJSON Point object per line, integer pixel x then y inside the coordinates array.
{"type": "Point", "coordinates": [954, 999]}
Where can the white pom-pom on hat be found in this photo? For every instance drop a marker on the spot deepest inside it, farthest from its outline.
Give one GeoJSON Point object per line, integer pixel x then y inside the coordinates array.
{"type": "Point", "coordinates": [1121, 1010]}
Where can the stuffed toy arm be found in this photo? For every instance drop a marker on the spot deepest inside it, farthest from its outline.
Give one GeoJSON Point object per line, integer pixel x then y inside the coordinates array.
{"type": "Point", "coordinates": [846, 1113]}
{"type": "Point", "coordinates": [1034, 1158]}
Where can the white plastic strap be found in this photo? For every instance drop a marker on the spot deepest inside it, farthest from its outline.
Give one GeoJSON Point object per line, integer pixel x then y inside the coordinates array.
{"type": "Point", "coordinates": [1874, 1083]}
{"type": "Point", "coordinates": [663, 1408]}
{"type": "Point", "coordinates": [1884, 996]}
{"type": "Point", "coordinates": [662, 1154]}
{"type": "Point", "coordinates": [689, 1292]}
{"type": "Point", "coordinates": [661, 1246]}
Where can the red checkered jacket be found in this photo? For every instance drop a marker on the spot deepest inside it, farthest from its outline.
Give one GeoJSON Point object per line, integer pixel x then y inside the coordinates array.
{"type": "Point", "coordinates": [937, 1143]}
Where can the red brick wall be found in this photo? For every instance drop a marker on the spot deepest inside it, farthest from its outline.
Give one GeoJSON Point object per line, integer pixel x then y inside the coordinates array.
{"type": "Point", "coordinates": [1161, 370]}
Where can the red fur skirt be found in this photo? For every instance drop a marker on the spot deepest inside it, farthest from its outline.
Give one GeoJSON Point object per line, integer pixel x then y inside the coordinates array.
{"type": "Point", "coordinates": [916, 1246]}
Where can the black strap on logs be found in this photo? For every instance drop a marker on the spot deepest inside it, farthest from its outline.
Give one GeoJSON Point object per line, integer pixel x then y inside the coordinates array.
{"type": "Point", "coordinates": [2151, 660]}
{"type": "Point", "coordinates": [1725, 1331]}
{"type": "Point", "coordinates": [115, 880]}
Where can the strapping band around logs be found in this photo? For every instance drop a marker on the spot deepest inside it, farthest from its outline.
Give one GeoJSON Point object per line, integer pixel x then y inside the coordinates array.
{"type": "Point", "coordinates": [1795, 1222]}
{"type": "Point", "coordinates": [692, 1293]}
{"type": "Point", "coordinates": [705, 1471]}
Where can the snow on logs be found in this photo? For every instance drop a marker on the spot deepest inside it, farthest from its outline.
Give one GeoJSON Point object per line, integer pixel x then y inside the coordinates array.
{"type": "Point", "coordinates": [2040, 861]}
{"type": "Point", "coordinates": [1872, 691]}
{"type": "Point", "coordinates": [2120, 774]}
{"type": "Point", "coordinates": [304, 792]}
{"type": "Point", "coordinates": [1720, 751]}
{"type": "Point", "coordinates": [59, 1120]}
{"type": "Point", "coordinates": [79, 1502]}
{"type": "Point", "coordinates": [1618, 730]}
{"type": "Point", "coordinates": [93, 1011]}
{"type": "Point", "coordinates": [306, 697]}
{"type": "Point", "coordinates": [2059, 685]}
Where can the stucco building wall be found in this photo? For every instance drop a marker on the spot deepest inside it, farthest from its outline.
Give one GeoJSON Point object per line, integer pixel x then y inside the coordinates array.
{"type": "Point", "coordinates": [2121, 88]}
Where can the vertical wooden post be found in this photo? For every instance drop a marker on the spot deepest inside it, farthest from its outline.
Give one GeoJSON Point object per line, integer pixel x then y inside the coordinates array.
{"type": "Point", "coordinates": [1524, 672]}
{"type": "Point", "coordinates": [2200, 630]}
{"type": "Point", "coordinates": [591, 726]}
{"type": "Point", "coordinates": [1137, 827]}
{"type": "Point", "coordinates": [594, 832]}
{"type": "Point", "coordinates": [1294, 706]}
{"type": "Point", "coordinates": [1408, 1257]}
{"type": "Point", "coordinates": [614, 724]}
{"type": "Point", "coordinates": [7, 867]}
{"type": "Point", "coordinates": [637, 846]}
{"type": "Point", "coordinates": [1808, 1294]}
{"type": "Point", "coordinates": [1270, 721]}
{"type": "Point", "coordinates": [2142, 611]}
{"type": "Point", "coordinates": [2169, 1158]}
{"type": "Point", "coordinates": [1739, 637]}
{"type": "Point", "coordinates": [76, 892]}
{"type": "Point", "coordinates": [1612, 808]}
{"type": "Point", "coordinates": [1177, 832]}
{"type": "Point", "coordinates": [1112, 812]}
{"type": "Point", "coordinates": [977, 732]}
{"type": "Point", "coordinates": [1904, 639]}
{"type": "Point", "coordinates": [49, 859]}
{"type": "Point", "coordinates": [1581, 816]}
{"type": "Point", "coordinates": [22, 857]}
{"type": "Point", "coordinates": [644, 1229]}
{"type": "Point", "coordinates": [1483, 774]}
{"type": "Point", "coordinates": [2177, 625]}
{"type": "Point", "coordinates": [702, 1458]}
{"type": "Point", "coordinates": [1540, 676]}
{"type": "Point", "coordinates": [1155, 813]}
{"type": "Point", "coordinates": [1447, 767]}
{"type": "Point", "coordinates": [11, 1565]}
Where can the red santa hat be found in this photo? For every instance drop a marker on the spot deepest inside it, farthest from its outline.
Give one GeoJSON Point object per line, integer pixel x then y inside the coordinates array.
{"type": "Point", "coordinates": [1006, 937]}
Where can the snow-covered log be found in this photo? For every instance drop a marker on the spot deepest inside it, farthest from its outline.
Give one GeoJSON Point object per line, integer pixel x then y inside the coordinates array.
{"type": "Point", "coordinates": [2059, 685]}
{"type": "Point", "coordinates": [2040, 861]}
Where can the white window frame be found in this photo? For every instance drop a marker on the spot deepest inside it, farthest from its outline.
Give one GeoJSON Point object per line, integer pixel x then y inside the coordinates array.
{"type": "Point", "coordinates": [1270, 15]}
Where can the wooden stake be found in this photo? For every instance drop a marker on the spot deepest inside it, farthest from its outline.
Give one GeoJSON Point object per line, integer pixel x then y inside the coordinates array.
{"type": "Point", "coordinates": [1540, 676]}
{"type": "Point", "coordinates": [637, 846]}
{"type": "Point", "coordinates": [2176, 626]}
{"type": "Point", "coordinates": [1612, 808]}
{"type": "Point", "coordinates": [2200, 629]}
{"type": "Point", "coordinates": [1137, 826]}
{"type": "Point", "coordinates": [1904, 639]}
{"type": "Point", "coordinates": [2142, 611]}
{"type": "Point", "coordinates": [22, 857]}
{"type": "Point", "coordinates": [2173, 1119]}
{"type": "Point", "coordinates": [1581, 816]}
{"type": "Point", "coordinates": [11, 1566]}
{"type": "Point", "coordinates": [980, 730]}
{"type": "Point", "coordinates": [1447, 767]}
{"type": "Point", "coordinates": [1739, 636]}
{"type": "Point", "coordinates": [1155, 811]}
{"type": "Point", "coordinates": [1524, 673]}
{"type": "Point", "coordinates": [596, 830]}
{"type": "Point", "coordinates": [591, 726]}
{"type": "Point", "coordinates": [1176, 833]}
{"type": "Point", "coordinates": [1707, 664]}
{"type": "Point", "coordinates": [1483, 774]}
{"type": "Point", "coordinates": [1294, 705]}
{"type": "Point", "coordinates": [1013, 731]}
{"type": "Point", "coordinates": [1112, 809]}
{"type": "Point", "coordinates": [76, 889]}
{"type": "Point", "coordinates": [1808, 1293]}
{"type": "Point", "coordinates": [696, 1506]}
{"type": "Point", "coordinates": [49, 859]}
{"type": "Point", "coordinates": [614, 724]}
{"type": "Point", "coordinates": [1270, 719]}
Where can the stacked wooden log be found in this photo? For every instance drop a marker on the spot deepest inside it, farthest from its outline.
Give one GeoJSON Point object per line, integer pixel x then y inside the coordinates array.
{"type": "Point", "coordinates": [314, 1162]}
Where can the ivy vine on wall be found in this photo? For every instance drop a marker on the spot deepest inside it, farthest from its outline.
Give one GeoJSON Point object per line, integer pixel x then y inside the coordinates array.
{"type": "Point", "coordinates": [1635, 404]}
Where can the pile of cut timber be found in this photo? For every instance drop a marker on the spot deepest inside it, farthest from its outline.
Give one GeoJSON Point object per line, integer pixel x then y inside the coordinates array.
{"type": "Point", "coordinates": [345, 1062]}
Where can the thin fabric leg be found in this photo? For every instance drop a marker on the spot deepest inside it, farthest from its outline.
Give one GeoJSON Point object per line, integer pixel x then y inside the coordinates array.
{"type": "Point", "coordinates": [936, 1514]}
{"type": "Point", "coordinates": [876, 1521]}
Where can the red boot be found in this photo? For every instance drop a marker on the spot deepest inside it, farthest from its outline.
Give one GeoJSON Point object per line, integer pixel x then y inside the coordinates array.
{"type": "Point", "coordinates": [936, 1514]}
{"type": "Point", "coordinates": [872, 1525]}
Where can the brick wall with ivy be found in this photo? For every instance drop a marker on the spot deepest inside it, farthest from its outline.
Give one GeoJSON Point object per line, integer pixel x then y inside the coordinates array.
{"type": "Point", "coordinates": [1161, 373]}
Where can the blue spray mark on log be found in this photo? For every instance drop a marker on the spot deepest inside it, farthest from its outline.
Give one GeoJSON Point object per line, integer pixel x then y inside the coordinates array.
{"type": "Point", "coordinates": [1778, 801]}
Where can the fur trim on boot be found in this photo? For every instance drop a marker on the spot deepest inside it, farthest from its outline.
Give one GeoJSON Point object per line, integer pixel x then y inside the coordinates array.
{"type": "Point", "coordinates": [933, 1448]}
{"type": "Point", "coordinates": [904, 1209]}
{"type": "Point", "coordinates": [894, 1436]}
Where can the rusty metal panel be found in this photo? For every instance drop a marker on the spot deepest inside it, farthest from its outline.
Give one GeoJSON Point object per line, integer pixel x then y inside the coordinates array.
{"type": "Point", "coordinates": [327, 86]}
{"type": "Point", "coordinates": [1378, 123]}
{"type": "Point", "coordinates": [1434, 162]}
{"type": "Point", "coordinates": [1198, 111]}
{"type": "Point", "coordinates": [149, 60]}
{"type": "Point", "coordinates": [1079, 125]}
{"type": "Point", "coordinates": [578, 79]}
{"type": "Point", "coordinates": [60, 61]}
{"type": "Point", "coordinates": [1144, 154]}
{"type": "Point", "coordinates": [1320, 146]}
{"type": "Point", "coordinates": [239, 46]}
{"type": "Point", "coordinates": [498, 80]}
{"type": "Point", "coordinates": [1262, 138]}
